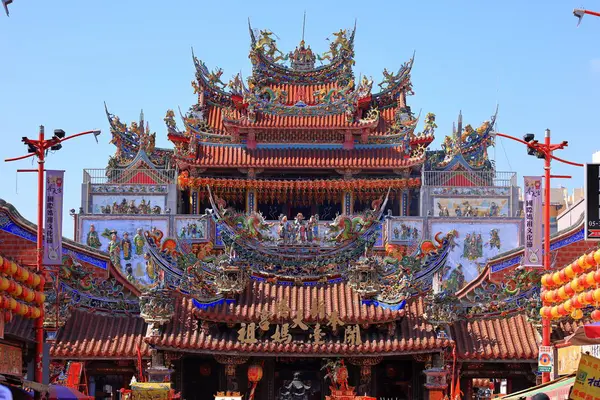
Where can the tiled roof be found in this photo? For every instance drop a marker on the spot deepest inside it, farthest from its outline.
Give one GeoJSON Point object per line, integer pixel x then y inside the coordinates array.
{"type": "Point", "coordinates": [21, 328]}
{"type": "Point", "coordinates": [370, 158]}
{"type": "Point", "coordinates": [259, 296]}
{"type": "Point", "coordinates": [496, 339]}
{"type": "Point", "coordinates": [294, 121]}
{"type": "Point", "coordinates": [89, 335]}
{"type": "Point", "coordinates": [412, 335]}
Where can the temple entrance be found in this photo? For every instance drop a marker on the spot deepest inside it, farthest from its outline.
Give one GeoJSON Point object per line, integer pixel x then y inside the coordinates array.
{"type": "Point", "coordinates": [201, 378]}
{"type": "Point", "coordinates": [394, 379]}
{"type": "Point", "coordinates": [299, 380]}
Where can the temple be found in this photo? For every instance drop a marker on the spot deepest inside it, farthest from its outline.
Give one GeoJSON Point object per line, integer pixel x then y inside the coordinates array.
{"type": "Point", "coordinates": [299, 222]}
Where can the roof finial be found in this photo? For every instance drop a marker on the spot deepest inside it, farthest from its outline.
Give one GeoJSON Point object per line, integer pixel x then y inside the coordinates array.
{"type": "Point", "coordinates": [303, 25]}
{"type": "Point", "coordinates": [141, 120]}
{"type": "Point", "coordinates": [460, 128]}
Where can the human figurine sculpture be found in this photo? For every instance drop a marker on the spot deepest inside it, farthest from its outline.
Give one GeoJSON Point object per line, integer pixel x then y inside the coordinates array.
{"type": "Point", "coordinates": [92, 238]}
{"type": "Point", "coordinates": [126, 246]}
{"type": "Point", "coordinates": [295, 390]}
{"type": "Point", "coordinates": [300, 227]}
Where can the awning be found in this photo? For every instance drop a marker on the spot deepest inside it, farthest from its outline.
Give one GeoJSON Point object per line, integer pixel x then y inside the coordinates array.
{"type": "Point", "coordinates": [585, 335]}
{"type": "Point", "coordinates": [556, 390]}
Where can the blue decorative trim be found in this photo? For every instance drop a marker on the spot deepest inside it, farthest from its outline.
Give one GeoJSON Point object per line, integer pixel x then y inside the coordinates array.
{"type": "Point", "coordinates": [204, 306]}
{"type": "Point", "coordinates": [576, 237]}
{"type": "Point", "coordinates": [16, 230]}
{"type": "Point", "coordinates": [573, 238]}
{"type": "Point", "coordinates": [506, 264]}
{"type": "Point", "coordinates": [393, 307]}
{"type": "Point", "coordinates": [291, 283]}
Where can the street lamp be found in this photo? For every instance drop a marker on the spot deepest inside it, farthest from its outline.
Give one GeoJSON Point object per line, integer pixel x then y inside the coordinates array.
{"type": "Point", "coordinates": [579, 13]}
{"type": "Point", "coordinates": [544, 151]}
{"type": "Point", "coordinates": [38, 148]}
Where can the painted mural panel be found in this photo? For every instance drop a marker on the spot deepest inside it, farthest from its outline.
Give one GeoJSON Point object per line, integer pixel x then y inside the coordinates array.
{"type": "Point", "coordinates": [404, 230]}
{"type": "Point", "coordinates": [192, 228]}
{"type": "Point", "coordinates": [474, 242]}
{"type": "Point", "coordinates": [125, 236]}
{"type": "Point", "coordinates": [128, 204]}
{"type": "Point", "coordinates": [471, 207]}
{"type": "Point", "coordinates": [471, 191]}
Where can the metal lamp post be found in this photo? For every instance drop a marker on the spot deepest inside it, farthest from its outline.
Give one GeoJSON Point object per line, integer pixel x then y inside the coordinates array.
{"type": "Point", "coordinates": [544, 150]}
{"type": "Point", "coordinates": [38, 149]}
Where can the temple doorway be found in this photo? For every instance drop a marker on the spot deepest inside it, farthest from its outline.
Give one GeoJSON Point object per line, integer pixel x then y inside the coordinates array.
{"type": "Point", "coordinates": [299, 380]}
{"type": "Point", "coordinates": [201, 378]}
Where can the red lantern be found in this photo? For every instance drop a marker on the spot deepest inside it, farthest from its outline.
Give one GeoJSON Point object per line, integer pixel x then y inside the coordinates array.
{"type": "Point", "coordinates": [596, 315]}
{"type": "Point", "coordinates": [255, 373]}
{"type": "Point", "coordinates": [569, 290]}
{"type": "Point", "coordinates": [589, 259]}
{"type": "Point", "coordinates": [563, 276]}
{"type": "Point", "coordinates": [589, 297]}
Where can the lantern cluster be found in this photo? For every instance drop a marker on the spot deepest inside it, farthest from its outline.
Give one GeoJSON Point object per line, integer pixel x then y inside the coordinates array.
{"type": "Point", "coordinates": [17, 291]}
{"type": "Point", "coordinates": [568, 291]}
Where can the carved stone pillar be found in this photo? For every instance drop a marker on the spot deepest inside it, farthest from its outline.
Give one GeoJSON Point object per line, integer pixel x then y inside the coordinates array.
{"type": "Point", "coordinates": [158, 372]}
{"type": "Point", "coordinates": [156, 308]}
{"type": "Point", "coordinates": [436, 383]}
{"type": "Point", "coordinates": [231, 363]}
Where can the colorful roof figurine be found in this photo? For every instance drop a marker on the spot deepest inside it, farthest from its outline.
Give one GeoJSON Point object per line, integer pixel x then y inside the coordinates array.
{"type": "Point", "coordinates": [135, 145]}
{"type": "Point", "coordinates": [466, 149]}
{"type": "Point", "coordinates": [316, 111]}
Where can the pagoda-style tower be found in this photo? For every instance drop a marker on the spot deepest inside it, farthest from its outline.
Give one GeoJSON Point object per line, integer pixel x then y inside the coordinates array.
{"type": "Point", "coordinates": [300, 138]}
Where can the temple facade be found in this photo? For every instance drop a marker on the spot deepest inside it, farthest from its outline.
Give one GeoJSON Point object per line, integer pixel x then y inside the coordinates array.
{"type": "Point", "coordinates": [299, 225]}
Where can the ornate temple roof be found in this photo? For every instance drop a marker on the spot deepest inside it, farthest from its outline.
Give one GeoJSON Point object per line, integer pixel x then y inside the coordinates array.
{"type": "Point", "coordinates": [305, 158]}
{"type": "Point", "coordinates": [466, 149]}
{"type": "Point", "coordinates": [92, 336]}
{"type": "Point", "coordinates": [413, 335]}
{"type": "Point", "coordinates": [511, 338]}
{"type": "Point", "coordinates": [300, 103]}
{"type": "Point", "coordinates": [135, 145]}
{"type": "Point", "coordinates": [262, 297]}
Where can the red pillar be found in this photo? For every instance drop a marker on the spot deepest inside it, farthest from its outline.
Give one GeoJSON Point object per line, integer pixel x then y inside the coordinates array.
{"type": "Point", "coordinates": [547, 160]}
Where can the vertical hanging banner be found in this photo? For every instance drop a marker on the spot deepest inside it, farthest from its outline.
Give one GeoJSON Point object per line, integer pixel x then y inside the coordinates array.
{"type": "Point", "coordinates": [533, 222]}
{"type": "Point", "coordinates": [53, 220]}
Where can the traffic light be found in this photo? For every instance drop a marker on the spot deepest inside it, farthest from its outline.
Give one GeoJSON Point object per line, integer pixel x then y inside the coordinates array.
{"type": "Point", "coordinates": [30, 147]}
{"type": "Point", "coordinates": [530, 139]}
{"type": "Point", "coordinates": [59, 133]}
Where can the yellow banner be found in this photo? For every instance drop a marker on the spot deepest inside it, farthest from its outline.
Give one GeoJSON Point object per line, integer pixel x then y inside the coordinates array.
{"type": "Point", "coordinates": [587, 383]}
{"type": "Point", "coordinates": [568, 360]}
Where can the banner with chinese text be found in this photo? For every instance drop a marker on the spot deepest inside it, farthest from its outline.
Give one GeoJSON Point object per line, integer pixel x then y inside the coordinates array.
{"type": "Point", "coordinates": [11, 360]}
{"type": "Point", "coordinates": [53, 220]}
{"type": "Point", "coordinates": [533, 222]}
{"type": "Point", "coordinates": [587, 382]}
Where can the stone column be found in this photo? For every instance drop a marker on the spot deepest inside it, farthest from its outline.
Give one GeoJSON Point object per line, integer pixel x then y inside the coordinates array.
{"type": "Point", "coordinates": [158, 372]}
{"type": "Point", "coordinates": [436, 383]}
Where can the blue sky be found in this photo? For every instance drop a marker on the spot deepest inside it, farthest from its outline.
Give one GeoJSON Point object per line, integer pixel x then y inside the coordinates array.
{"type": "Point", "coordinates": [62, 59]}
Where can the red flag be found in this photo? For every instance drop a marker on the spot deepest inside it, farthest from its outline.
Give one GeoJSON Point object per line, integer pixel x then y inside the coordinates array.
{"type": "Point", "coordinates": [139, 360]}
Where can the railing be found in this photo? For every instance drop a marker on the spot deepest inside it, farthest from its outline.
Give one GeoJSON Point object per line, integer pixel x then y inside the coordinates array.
{"type": "Point", "coordinates": [470, 178]}
{"type": "Point", "coordinates": [99, 176]}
